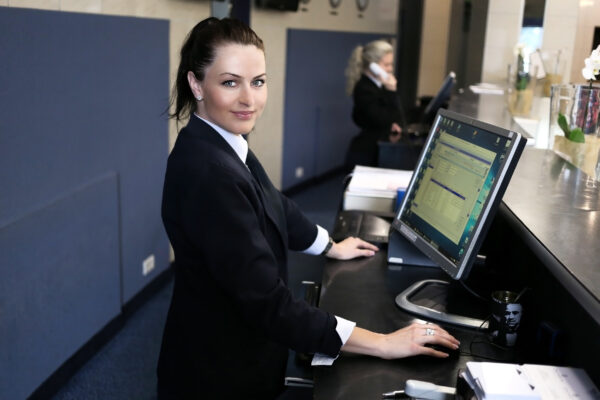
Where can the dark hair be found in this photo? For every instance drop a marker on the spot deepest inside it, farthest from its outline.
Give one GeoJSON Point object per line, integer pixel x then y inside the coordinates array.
{"type": "Point", "coordinates": [198, 52]}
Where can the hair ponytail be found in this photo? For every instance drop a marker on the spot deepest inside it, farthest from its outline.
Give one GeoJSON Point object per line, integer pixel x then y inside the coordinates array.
{"type": "Point", "coordinates": [354, 69]}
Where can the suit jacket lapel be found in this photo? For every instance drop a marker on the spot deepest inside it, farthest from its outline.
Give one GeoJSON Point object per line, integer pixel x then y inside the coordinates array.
{"type": "Point", "coordinates": [268, 194]}
{"type": "Point", "coordinates": [205, 132]}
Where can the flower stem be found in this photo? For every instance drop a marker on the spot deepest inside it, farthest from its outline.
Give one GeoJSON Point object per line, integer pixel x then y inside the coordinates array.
{"type": "Point", "coordinates": [585, 110]}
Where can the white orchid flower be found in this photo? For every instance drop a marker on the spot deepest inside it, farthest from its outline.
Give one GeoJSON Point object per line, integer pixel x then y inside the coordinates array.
{"type": "Point", "coordinates": [588, 74]}
{"type": "Point", "coordinates": [592, 65]}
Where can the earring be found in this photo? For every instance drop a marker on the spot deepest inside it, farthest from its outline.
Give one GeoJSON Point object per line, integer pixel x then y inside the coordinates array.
{"type": "Point", "coordinates": [199, 98]}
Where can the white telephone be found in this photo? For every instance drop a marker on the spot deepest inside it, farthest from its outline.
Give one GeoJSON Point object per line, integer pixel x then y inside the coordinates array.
{"type": "Point", "coordinates": [378, 71]}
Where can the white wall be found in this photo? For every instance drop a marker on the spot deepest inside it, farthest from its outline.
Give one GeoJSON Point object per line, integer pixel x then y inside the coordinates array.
{"type": "Point", "coordinates": [560, 28]}
{"type": "Point", "coordinates": [568, 26]}
{"type": "Point", "coordinates": [434, 46]}
{"type": "Point", "coordinates": [588, 17]}
{"type": "Point", "coordinates": [504, 21]}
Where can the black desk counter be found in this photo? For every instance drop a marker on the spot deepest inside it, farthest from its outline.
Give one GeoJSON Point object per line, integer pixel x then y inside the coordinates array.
{"type": "Point", "coordinates": [555, 207]}
{"type": "Point", "coordinates": [363, 291]}
{"type": "Point", "coordinates": [546, 236]}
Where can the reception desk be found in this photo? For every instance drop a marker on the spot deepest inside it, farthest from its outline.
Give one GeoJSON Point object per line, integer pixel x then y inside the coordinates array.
{"type": "Point", "coordinates": [544, 238]}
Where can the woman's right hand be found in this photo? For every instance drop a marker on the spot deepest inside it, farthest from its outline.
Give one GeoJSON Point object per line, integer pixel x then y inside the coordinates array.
{"type": "Point", "coordinates": [405, 342]}
{"type": "Point", "coordinates": [411, 341]}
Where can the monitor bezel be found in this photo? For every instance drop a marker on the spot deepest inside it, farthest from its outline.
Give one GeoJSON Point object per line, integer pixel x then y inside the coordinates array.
{"type": "Point", "coordinates": [461, 269]}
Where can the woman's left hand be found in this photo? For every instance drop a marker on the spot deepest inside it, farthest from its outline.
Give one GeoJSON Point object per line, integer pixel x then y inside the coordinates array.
{"type": "Point", "coordinates": [351, 248]}
{"type": "Point", "coordinates": [390, 82]}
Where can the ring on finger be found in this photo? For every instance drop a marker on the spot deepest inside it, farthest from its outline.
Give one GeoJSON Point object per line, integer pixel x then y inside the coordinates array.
{"type": "Point", "coordinates": [429, 332]}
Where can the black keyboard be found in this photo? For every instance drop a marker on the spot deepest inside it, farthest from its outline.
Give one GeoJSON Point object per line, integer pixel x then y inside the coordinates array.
{"type": "Point", "coordinates": [361, 224]}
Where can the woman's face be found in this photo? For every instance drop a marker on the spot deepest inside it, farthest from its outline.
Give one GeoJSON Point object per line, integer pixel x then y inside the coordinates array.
{"type": "Point", "coordinates": [234, 89]}
{"type": "Point", "coordinates": [387, 63]}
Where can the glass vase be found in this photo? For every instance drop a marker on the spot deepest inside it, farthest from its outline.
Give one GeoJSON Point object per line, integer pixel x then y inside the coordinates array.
{"type": "Point", "coordinates": [578, 107]}
{"type": "Point", "coordinates": [520, 101]}
{"type": "Point", "coordinates": [521, 86]}
{"type": "Point", "coordinates": [554, 65]}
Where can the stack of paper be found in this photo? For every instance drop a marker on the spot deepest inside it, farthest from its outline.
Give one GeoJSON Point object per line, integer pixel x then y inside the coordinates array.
{"type": "Point", "coordinates": [498, 381]}
{"type": "Point", "coordinates": [486, 88]}
{"type": "Point", "coordinates": [375, 189]}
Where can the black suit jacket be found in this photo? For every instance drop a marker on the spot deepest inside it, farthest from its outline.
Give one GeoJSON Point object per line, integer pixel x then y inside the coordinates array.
{"type": "Point", "coordinates": [232, 317]}
{"type": "Point", "coordinates": [374, 111]}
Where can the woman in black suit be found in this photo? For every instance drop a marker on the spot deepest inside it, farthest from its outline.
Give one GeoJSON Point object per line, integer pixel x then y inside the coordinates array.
{"type": "Point", "coordinates": [376, 108]}
{"type": "Point", "coordinates": [232, 317]}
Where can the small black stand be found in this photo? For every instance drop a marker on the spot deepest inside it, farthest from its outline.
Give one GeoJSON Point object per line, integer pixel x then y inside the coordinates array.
{"type": "Point", "coordinates": [402, 251]}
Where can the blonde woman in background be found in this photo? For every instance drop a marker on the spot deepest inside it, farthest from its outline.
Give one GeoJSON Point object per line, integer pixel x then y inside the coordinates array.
{"type": "Point", "coordinates": [371, 82]}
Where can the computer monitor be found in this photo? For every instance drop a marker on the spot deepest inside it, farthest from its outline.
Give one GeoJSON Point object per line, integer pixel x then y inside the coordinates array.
{"type": "Point", "coordinates": [440, 98]}
{"type": "Point", "coordinates": [421, 127]}
{"type": "Point", "coordinates": [457, 186]}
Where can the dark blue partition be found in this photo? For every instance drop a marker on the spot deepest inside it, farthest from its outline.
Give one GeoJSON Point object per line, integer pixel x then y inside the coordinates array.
{"type": "Point", "coordinates": [60, 282]}
{"type": "Point", "coordinates": [83, 147]}
{"type": "Point", "coordinates": [318, 125]}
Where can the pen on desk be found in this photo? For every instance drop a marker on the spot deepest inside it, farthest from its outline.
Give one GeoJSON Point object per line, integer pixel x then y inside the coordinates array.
{"type": "Point", "coordinates": [396, 394]}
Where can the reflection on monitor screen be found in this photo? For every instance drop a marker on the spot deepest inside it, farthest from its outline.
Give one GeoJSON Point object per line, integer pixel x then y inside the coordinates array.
{"type": "Point", "coordinates": [456, 188]}
{"type": "Point", "coordinates": [458, 183]}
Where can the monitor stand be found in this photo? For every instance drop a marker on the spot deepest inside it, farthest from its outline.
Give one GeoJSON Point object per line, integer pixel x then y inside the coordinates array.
{"type": "Point", "coordinates": [428, 298]}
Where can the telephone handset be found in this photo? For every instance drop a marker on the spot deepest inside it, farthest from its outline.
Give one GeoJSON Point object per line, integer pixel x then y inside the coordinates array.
{"type": "Point", "coordinates": [378, 71]}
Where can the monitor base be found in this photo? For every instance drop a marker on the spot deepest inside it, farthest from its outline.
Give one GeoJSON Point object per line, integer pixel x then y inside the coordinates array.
{"type": "Point", "coordinates": [436, 289]}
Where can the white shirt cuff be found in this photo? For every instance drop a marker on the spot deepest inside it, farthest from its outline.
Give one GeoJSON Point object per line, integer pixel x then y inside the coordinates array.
{"type": "Point", "coordinates": [344, 329]}
{"type": "Point", "coordinates": [320, 242]}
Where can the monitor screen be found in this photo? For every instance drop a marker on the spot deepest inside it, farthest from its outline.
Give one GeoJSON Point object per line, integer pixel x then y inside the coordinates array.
{"type": "Point", "coordinates": [457, 186]}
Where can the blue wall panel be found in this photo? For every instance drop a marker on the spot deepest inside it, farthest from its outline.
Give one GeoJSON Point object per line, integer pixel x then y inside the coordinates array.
{"type": "Point", "coordinates": [82, 96]}
{"type": "Point", "coordinates": [59, 285]}
{"type": "Point", "coordinates": [318, 124]}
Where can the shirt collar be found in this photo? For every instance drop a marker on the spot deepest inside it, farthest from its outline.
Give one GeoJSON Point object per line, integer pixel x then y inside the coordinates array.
{"type": "Point", "coordinates": [237, 142]}
{"type": "Point", "coordinates": [375, 81]}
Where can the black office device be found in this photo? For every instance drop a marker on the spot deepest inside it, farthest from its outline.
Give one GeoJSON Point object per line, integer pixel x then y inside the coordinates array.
{"type": "Point", "coordinates": [405, 153]}
{"type": "Point", "coordinates": [361, 224]}
{"type": "Point", "coordinates": [282, 5]}
{"type": "Point", "coordinates": [442, 96]}
{"type": "Point", "coordinates": [422, 124]}
{"type": "Point", "coordinates": [459, 181]}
